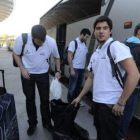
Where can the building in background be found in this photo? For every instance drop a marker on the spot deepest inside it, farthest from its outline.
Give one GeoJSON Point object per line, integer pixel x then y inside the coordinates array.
{"type": "Point", "coordinates": [6, 8]}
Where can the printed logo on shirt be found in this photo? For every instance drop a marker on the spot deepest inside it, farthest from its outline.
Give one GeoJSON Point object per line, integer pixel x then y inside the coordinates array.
{"type": "Point", "coordinates": [27, 52]}
{"type": "Point", "coordinates": [103, 57]}
{"type": "Point", "coordinates": [42, 53]}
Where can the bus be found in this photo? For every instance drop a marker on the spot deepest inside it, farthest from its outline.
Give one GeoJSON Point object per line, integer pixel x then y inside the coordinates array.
{"type": "Point", "coordinates": [66, 19]}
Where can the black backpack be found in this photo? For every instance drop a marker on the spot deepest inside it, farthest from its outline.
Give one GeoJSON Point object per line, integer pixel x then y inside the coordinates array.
{"type": "Point", "coordinates": [24, 38]}
{"type": "Point", "coordinates": [65, 55]}
{"type": "Point", "coordinates": [135, 51]}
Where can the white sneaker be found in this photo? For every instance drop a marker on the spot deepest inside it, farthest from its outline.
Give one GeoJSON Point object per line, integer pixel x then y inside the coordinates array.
{"type": "Point", "coordinates": [81, 104]}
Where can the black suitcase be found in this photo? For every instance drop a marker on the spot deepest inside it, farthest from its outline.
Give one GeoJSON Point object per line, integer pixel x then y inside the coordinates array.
{"type": "Point", "coordinates": [63, 115]}
{"type": "Point", "coordinates": [8, 119]}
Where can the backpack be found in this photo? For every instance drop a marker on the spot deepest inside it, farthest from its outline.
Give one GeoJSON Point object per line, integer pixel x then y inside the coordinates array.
{"type": "Point", "coordinates": [135, 52]}
{"type": "Point", "coordinates": [65, 55]}
{"type": "Point", "coordinates": [24, 39]}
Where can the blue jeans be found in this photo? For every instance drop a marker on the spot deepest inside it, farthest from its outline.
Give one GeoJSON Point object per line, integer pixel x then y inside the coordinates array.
{"type": "Point", "coordinates": [127, 114]}
{"type": "Point", "coordinates": [75, 84]}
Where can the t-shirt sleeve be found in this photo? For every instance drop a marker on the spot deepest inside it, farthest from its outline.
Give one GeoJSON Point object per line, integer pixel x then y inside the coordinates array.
{"type": "Point", "coordinates": [120, 51]}
{"type": "Point", "coordinates": [71, 46]}
{"type": "Point", "coordinates": [54, 49]}
{"type": "Point", "coordinates": [18, 45]}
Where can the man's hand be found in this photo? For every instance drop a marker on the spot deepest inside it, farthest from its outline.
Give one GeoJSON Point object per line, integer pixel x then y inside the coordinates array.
{"type": "Point", "coordinates": [118, 110]}
{"type": "Point", "coordinates": [72, 73]}
{"type": "Point", "coordinates": [76, 101]}
{"type": "Point", "coordinates": [25, 74]}
{"type": "Point", "coordinates": [57, 75]}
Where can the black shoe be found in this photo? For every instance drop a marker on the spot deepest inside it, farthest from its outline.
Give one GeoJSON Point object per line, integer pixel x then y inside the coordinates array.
{"type": "Point", "coordinates": [90, 111]}
{"type": "Point", "coordinates": [31, 130]}
{"type": "Point", "coordinates": [49, 127]}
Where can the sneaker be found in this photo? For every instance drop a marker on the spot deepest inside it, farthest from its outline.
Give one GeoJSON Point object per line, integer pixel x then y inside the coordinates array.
{"type": "Point", "coordinates": [31, 130]}
{"type": "Point", "coordinates": [49, 127]}
{"type": "Point", "coordinates": [81, 104]}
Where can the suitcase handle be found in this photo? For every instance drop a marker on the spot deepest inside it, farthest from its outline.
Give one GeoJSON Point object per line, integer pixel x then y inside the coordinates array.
{"type": "Point", "coordinates": [3, 77]}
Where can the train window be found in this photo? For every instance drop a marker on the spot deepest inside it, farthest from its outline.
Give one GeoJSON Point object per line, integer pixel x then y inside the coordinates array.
{"type": "Point", "coordinates": [128, 25]}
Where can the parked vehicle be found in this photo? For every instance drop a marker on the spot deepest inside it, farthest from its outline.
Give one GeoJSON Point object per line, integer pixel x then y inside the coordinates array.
{"type": "Point", "coordinates": [64, 21]}
{"type": "Point", "coordinates": [10, 43]}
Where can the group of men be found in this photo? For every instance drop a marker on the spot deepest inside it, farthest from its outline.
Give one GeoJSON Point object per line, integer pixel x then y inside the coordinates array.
{"type": "Point", "coordinates": [112, 109]}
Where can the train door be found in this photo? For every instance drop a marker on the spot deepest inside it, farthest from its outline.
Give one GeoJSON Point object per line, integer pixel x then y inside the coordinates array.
{"type": "Point", "coordinates": [61, 41]}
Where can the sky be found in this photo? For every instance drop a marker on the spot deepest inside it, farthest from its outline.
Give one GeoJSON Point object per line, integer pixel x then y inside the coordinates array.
{"type": "Point", "coordinates": [26, 14]}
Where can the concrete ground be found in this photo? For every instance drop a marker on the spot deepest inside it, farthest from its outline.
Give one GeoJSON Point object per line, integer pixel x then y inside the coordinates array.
{"type": "Point", "coordinates": [13, 86]}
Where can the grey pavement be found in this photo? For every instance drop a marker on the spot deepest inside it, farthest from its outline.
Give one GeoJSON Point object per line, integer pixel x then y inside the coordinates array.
{"type": "Point", "coordinates": [13, 86]}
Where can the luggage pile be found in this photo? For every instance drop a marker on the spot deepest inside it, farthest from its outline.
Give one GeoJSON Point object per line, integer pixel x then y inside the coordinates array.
{"type": "Point", "coordinates": [63, 115]}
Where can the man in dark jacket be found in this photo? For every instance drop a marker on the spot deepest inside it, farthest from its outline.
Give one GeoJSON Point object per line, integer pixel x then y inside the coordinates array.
{"type": "Point", "coordinates": [133, 99]}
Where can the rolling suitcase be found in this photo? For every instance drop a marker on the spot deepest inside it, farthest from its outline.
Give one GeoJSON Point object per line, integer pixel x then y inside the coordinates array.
{"type": "Point", "coordinates": [8, 118]}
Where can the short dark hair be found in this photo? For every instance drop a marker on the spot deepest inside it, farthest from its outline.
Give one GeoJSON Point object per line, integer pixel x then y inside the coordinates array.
{"type": "Point", "coordinates": [38, 31]}
{"type": "Point", "coordinates": [102, 19]}
{"type": "Point", "coordinates": [136, 29]}
{"type": "Point", "coordinates": [85, 31]}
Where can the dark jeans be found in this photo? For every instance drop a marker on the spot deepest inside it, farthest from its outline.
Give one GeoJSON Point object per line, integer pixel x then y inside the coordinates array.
{"type": "Point", "coordinates": [105, 122]}
{"type": "Point", "coordinates": [75, 84]}
{"type": "Point", "coordinates": [42, 82]}
{"type": "Point", "coordinates": [127, 114]}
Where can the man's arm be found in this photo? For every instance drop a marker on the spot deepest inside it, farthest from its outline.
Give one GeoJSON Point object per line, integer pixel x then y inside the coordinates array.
{"type": "Point", "coordinates": [18, 60]}
{"type": "Point", "coordinates": [57, 63]}
{"type": "Point", "coordinates": [88, 84]}
{"type": "Point", "coordinates": [132, 79]}
{"type": "Point", "coordinates": [70, 55]}
{"type": "Point", "coordinates": [24, 72]}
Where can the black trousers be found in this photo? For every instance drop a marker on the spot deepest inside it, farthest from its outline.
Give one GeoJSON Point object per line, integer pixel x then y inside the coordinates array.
{"type": "Point", "coordinates": [42, 82]}
{"type": "Point", "coordinates": [105, 122]}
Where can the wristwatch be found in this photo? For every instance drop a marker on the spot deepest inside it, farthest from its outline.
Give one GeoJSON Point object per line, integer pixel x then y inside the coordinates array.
{"type": "Point", "coordinates": [58, 71]}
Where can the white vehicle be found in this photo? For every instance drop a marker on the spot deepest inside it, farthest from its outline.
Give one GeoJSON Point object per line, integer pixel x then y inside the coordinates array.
{"type": "Point", "coordinates": [10, 43]}
{"type": "Point", "coordinates": [66, 19]}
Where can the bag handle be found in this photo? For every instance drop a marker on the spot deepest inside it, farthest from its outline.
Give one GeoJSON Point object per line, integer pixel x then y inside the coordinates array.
{"type": "Point", "coordinates": [2, 71]}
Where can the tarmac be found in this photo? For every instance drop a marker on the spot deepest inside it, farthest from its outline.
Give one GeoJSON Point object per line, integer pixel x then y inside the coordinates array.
{"type": "Point", "coordinates": [13, 86]}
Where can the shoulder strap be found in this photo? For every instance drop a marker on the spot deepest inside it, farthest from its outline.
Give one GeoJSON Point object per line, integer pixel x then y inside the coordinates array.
{"type": "Point", "coordinates": [115, 70]}
{"type": "Point", "coordinates": [85, 43]}
{"type": "Point", "coordinates": [75, 48]}
{"type": "Point", "coordinates": [132, 45]}
{"type": "Point", "coordinates": [111, 59]}
{"type": "Point", "coordinates": [24, 39]}
{"type": "Point", "coordinates": [75, 44]}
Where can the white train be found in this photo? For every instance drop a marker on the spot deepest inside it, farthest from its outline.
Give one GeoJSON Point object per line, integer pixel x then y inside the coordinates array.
{"type": "Point", "coordinates": [66, 19]}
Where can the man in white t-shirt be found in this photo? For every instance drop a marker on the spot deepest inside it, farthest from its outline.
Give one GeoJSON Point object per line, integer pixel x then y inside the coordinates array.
{"type": "Point", "coordinates": [34, 71]}
{"type": "Point", "coordinates": [108, 96]}
{"type": "Point", "coordinates": [77, 60]}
